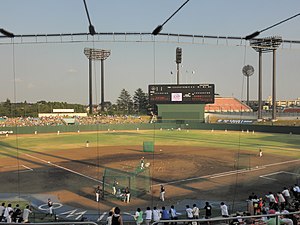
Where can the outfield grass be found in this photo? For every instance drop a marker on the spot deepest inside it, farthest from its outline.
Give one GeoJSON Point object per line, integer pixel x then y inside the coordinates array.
{"type": "Point", "coordinates": [277, 143]}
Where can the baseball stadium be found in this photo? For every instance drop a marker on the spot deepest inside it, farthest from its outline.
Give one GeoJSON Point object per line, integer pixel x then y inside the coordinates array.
{"type": "Point", "coordinates": [183, 144]}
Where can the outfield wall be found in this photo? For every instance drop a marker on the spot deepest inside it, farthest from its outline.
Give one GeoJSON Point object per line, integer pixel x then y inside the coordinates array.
{"type": "Point", "coordinates": [149, 126]}
{"type": "Point", "coordinates": [194, 112]}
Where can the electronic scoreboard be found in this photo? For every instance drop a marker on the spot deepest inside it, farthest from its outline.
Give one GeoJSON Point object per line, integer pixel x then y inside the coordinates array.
{"type": "Point", "coordinates": [182, 94]}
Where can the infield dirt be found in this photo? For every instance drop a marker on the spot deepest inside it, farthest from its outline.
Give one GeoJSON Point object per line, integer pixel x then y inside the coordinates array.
{"type": "Point", "coordinates": [187, 173]}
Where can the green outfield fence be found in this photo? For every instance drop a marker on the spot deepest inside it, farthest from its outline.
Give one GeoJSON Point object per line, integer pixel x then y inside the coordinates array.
{"type": "Point", "coordinates": [162, 124]}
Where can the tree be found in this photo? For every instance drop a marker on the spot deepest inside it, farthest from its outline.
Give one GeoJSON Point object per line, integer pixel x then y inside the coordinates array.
{"type": "Point", "coordinates": [140, 100]}
{"type": "Point", "coordinates": [124, 102]}
{"type": "Point", "coordinates": [6, 108]}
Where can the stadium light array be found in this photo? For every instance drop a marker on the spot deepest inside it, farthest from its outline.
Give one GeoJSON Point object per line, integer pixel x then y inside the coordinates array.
{"type": "Point", "coordinates": [96, 54]}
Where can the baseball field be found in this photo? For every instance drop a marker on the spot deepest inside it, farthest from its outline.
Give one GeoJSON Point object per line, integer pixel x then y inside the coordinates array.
{"type": "Point", "coordinates": [192, 164]}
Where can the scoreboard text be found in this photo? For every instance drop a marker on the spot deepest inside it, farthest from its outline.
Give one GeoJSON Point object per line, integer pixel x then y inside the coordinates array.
{"type": "Point", "coordinates": [182, 94]}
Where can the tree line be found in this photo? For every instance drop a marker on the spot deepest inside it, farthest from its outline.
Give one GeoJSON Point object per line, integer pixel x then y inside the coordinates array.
{"type": "Point", "coordinates": [125, 105]}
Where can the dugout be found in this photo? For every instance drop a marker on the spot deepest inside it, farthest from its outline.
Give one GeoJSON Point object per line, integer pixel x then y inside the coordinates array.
{"type": "Point", "coordinates": [181, 112]}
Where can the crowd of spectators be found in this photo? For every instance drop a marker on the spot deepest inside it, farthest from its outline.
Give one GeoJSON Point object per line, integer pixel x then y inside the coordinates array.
{"type": "Point", "coordinates": [14, 215]}
{"type": "Point", "coordinates": [263, 208]}
{"type": "Point", "coordinates": [59, 120]}
{"type": "Point", "coordinates": [111, 119]}
{"type": "Point", "coordinates": [270, 209]}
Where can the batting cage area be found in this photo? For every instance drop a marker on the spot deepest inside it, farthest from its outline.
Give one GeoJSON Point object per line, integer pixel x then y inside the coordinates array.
{"type": "Point", "coordinates": [115, 182]}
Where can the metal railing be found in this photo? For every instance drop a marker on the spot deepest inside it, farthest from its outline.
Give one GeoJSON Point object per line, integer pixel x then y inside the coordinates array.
{"type": "Point", "coordinates": [56, 223]}
{"type": "Point", "coordinates": [239, 220]}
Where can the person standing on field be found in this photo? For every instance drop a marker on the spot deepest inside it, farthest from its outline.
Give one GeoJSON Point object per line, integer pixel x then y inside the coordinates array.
{"type": "Point", "coordinates": [98, 193]}
{"type": "Point", "coordinates": [162, 193]}
{"type": "Point", "coordinates": [50, 205]}
{"type": "Point", "coordinates": [142, 164]}
{"type": "Point", "coordinates": [114, 187]}
{"type": "Point", "coordinates": [127, 195]}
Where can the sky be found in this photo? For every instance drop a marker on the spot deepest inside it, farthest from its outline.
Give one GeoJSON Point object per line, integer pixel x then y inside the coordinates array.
{"type": "Point", "coordinates": [59, 71]}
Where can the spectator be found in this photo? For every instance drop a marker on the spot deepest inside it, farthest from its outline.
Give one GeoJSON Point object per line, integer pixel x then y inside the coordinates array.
{"type": "Point", "coordinates": [117, 218]}
{"type": "Point", "coordinates": [156, 214]}
{"type": "Point", "coordinates": [173, 213]}
{"type": "Point", "coordinates": [2, 209]}
{"type": "Point", "coordinates": [285, 218]}
{"type": "Point", "coordinates": [165, 215]}
{"type": "Point", "coordinates": [148, 218]}
{"type": "Point", "coordinates": [281, 201]}
{"type": "Point", "coordinates": [16, 216]}
{"type": "Point", "coordinates": [208, 209]}
{"type": "Point", "coordinates": [196, 212]}
{"type": "Point", "coordinates": [273, 220]}
{"type": "Point", "coordinates": [26, 213]}
{"type": "Point", "coordinates": [138, 216]}
{"type": "Point", "coordinates": [272, 201]}
{"type": "Point", "coordinates": [9, 217]}
{"type": "Point", "coordinates": [189, 213]}
{"type": "Point", "coordinates": [296, 191]}
{"type": "Point", "coordinates": [286, 194]}
{"type": "Point", "coordinates": [224, 210]}
{"type": "Point", "coordinates": [7, 212]}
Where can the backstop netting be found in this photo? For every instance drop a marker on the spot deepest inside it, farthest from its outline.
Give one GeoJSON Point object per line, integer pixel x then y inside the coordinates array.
{"type": "Point", "coordinates": [242, 161]}
{"type": "Point", "coordinates": [138, 182]}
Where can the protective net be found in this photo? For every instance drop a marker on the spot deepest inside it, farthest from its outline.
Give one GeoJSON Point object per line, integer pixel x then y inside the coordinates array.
{"type": "Point", "coordinates": [116, 181]}
{"type": "Point", "coordinates": [243, 161]}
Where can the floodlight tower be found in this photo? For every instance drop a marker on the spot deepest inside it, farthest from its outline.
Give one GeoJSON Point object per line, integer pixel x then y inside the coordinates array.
{"type": "Point", "coordinates": [96, 54]}
{"type": "Point", "coordinates": [248, 71]}
{"type": "Point", "coordinates": [103, 56]}
{"type": "Point", "coordinates": [265, 45]}
{"type": "Point", "coordinates": [178, 61]}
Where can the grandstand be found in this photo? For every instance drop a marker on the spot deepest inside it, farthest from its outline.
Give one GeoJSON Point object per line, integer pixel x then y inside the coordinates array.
{"type": "Point", "coordinates": [62, 113]}
{"type": "Point", "coordinates": [227, 104]}
{"type": "Point", "coordinates": [292, 110]}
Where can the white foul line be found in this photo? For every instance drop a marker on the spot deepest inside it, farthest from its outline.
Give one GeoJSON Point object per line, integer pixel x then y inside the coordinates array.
{"type": "Point", "coordinates": [228, 173]}
{"type": "Point", "coordinates": [27, 167]}
{"type": "Point", "coordinates": [266, 176]}
{"type": "Point", "coordinates": [280, 163]}
{"type": "Point", "coordinates": [64, 168]}
{"type": "Point", "coordinates": [232, 172]}
{"type": "Point", "coordinates": [212, 176]}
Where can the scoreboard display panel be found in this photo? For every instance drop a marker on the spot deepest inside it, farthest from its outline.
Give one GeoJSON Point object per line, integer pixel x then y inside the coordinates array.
{"type": "Point", "coordinates": [182, 94]}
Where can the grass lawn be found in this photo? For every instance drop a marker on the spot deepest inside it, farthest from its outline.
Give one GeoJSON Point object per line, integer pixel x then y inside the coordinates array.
{"type": "Point", "coordinates": [277, 143]}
